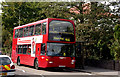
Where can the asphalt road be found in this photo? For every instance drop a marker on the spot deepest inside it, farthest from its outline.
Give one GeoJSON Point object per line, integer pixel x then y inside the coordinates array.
{"type": "Point", "coordinates": [28, 71]}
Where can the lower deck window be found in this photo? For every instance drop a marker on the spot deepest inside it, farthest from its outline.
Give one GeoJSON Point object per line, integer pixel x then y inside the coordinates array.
{"type": "Point", "coordinates": [23, 49]}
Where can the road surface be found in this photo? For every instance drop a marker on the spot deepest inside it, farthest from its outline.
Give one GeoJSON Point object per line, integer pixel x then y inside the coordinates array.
{"type": "Point", "coordinates": [28, 71]}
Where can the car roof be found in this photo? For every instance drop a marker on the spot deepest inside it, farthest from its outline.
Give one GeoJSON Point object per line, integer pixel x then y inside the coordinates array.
{"type": "Point", "coordinates": [4, 56]}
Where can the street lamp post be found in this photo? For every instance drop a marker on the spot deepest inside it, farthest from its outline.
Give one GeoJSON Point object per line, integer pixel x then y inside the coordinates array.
{"type": "Point", "coordinates": [19, 17]}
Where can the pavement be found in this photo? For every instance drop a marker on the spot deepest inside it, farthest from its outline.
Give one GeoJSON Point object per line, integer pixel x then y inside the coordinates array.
{"type": "Point", "coordinates": [99, 71]}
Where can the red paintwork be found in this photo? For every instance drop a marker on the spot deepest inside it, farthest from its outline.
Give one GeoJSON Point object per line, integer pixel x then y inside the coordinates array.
{"type": "Point", "coordinates": [59, 62]}
{"type": "Point", "coordinates": [28, 60]}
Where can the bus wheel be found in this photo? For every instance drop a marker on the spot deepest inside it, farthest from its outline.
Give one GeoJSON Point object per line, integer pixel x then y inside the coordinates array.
{"type": "Point", "coordinates": [36, 64]}
{"type": "Point", "coordinates": [18, 61]}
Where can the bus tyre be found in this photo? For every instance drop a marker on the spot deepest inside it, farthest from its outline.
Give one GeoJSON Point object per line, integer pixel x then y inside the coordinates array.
{"type": "Point", "coordinates": [18, 61]}
{"type": "Point", "coordinates": [36, 64]}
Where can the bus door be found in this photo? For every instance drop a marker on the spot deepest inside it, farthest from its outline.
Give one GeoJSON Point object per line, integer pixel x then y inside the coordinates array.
{"type": "Point", "coordinates": [37, 54]}
{"type": "Point", "coordinates": [38, 49]}
{"type": "Point", "coordinates": [42, 59]}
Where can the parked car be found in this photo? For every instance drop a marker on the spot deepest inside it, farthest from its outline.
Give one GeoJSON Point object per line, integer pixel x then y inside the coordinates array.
{"type": "Point", "coordinates": [7, 68]}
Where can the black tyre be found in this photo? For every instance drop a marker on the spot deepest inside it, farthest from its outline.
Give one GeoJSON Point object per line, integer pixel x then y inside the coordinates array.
{"type": "Point", "coordinates": [18, 61]}
{"type": "Point", "coordinates": [36, 64]}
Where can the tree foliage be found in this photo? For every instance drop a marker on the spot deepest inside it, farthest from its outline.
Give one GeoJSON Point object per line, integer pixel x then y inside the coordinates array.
{"type": "Point", "coordinates": [96, 31]}
{"type": "Point", "coordinates": [95, 28]}
{"type": "Point", "coordinates": [115, 47]}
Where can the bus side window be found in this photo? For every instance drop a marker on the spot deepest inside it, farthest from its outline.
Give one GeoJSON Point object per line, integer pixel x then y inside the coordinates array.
{"type": "Point", "coordinates": [16, 33]}
{"type": "Point", "coordinates": [29, 49]}
{"type": "Point", "coordinates": [38, 29]}
{"type": "Point", "coordinates": [44, 28]}
{"type": "Point", "coordinates": [26, 31]}
{"type": "Point", "coordinates": [24, 49]}
{"type": "Point", "coordinates": [19, 49]}
{"type": "Point", "coordinates": [42, 49]}
{"type": "Point", "coordinates": [31, 30]}
{"type": "Point", "coordinates": [21, 32]}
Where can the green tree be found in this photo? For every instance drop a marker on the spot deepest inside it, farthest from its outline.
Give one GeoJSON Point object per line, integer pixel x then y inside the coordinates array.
{"type": "Point", "coordinates": [96, 30]}
{"type": "Point", "coordinates": [6, 40]}
{"type": "Point", "coordinates": [115, 47]}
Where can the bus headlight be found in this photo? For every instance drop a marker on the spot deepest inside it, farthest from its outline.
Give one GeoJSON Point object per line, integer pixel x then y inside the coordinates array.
{"type": "Point", "coordinates": [73, 62]}
{"type": "Point", "coordinates": [50, 62]}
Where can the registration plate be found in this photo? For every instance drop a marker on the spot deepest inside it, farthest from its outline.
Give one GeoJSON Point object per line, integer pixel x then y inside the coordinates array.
{"type": "Point", "coordinates": [61, 66]}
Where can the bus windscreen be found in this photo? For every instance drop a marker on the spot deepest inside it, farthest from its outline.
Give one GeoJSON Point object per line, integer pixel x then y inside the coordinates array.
{"type": "Point", "coordinates": [60, 49]}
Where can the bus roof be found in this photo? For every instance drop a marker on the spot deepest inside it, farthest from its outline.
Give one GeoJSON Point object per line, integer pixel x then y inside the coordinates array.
{"type": "Point", "coordinates": [30, 24]}
{"type": "Point", "coordinates": [36, 22]}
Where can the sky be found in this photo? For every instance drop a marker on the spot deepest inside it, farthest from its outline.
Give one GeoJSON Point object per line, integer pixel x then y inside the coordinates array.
{"type": "Point", "coordinates": [0, 6]}
{"type": "Point", "coordinates": [2, 0]}
{"type": "Point", "coordinates": [0, 9]}
{"type": "Point", "coordinates": [104, 2]}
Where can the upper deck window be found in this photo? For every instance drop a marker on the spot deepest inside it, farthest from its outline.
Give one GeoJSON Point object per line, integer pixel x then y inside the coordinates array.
{"type": "Point", "coordinates": [26, 31]}
{"type": "Point", "coordinates": [61, 31]}
{"type": "Point", "coordinates": [61, 27]}
{"type": "Point", "coordinates": [44, 28]}
{"type": "Point", "coordinates": [31, 30]}
{"type": "Point", "coordinates": [38, 29]}
{"type": "Point", "coordinates": [16, 33]}
{"type": "Point", "coordinates": [21, 32]}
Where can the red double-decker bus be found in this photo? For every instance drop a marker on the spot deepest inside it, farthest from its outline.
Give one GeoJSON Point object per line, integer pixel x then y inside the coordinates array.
{"type": "Point", "coordinates": [45, 43]}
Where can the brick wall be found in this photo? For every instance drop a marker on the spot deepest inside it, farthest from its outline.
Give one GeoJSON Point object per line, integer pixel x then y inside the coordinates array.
{"type": "Point", "coordinates": [107, 64]}
{"type": "Point", "coordinates": [117, 65]}
{"type": "Point", "coordinates": [79, 62]}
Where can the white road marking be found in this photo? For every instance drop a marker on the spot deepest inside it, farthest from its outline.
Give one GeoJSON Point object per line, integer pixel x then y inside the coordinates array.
{"type": "Point", "coordinates": [90, 74]}
{"type": "Point", "coordinates": [38, 74]}
{"type": "Point", "coordinates": [32, 73]}
{"type": "Point", "coordinates": [23, 70]}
